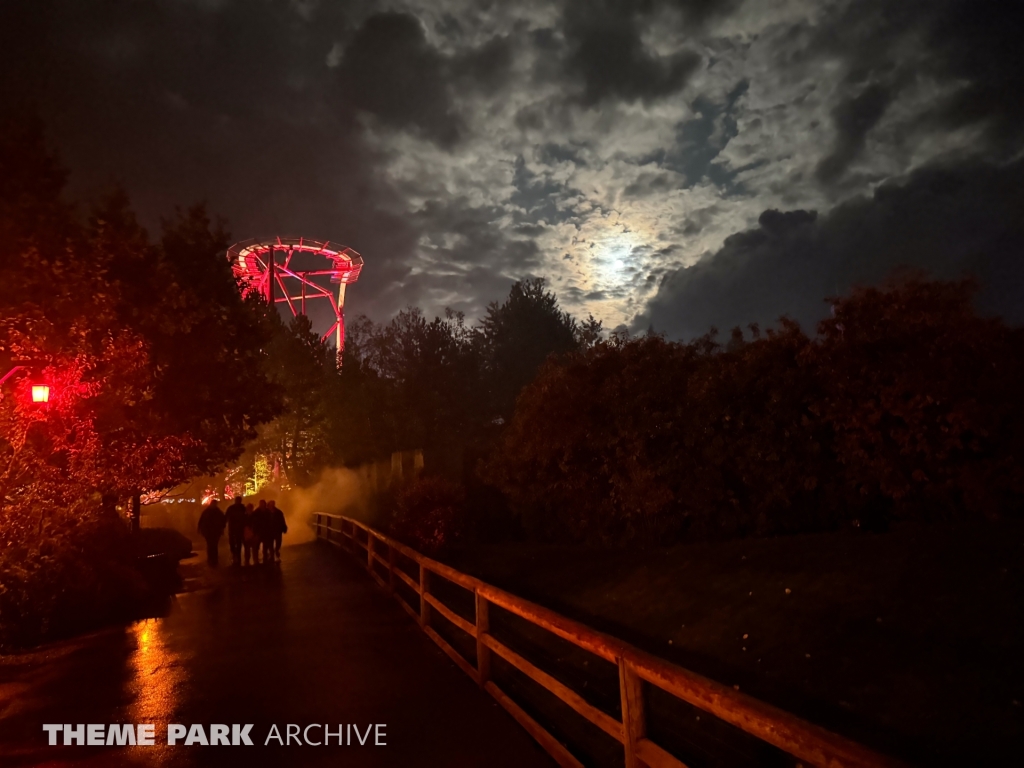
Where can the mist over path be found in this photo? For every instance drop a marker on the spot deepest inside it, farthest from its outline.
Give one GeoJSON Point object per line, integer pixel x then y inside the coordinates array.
{"type": "Point", "coordinates": [312, 640]}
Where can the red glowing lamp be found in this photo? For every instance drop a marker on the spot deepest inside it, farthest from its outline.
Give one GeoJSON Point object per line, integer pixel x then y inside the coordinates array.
{"type": "Point", "coordinates": [40, 393]}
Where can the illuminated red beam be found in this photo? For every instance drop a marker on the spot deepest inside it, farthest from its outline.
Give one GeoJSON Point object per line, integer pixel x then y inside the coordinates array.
{"type": "Point", "coordinates": [257, 270]}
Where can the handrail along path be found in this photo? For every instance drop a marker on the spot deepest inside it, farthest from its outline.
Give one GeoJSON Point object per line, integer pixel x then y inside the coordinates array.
{"type": "Point", "coordinates": [810, 744]}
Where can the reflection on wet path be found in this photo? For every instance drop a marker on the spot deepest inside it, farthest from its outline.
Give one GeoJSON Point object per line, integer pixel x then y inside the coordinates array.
{"type": "Point", "coordinates": [309, 641]}
{"type": "Point", "coordinates": [156, 681]}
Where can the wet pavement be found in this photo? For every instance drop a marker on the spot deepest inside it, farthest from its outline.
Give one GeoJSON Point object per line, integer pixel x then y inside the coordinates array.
{"type": "Point", "coordinates": [310, 641]}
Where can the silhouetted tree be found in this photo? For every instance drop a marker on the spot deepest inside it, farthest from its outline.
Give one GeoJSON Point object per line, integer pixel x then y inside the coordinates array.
{"type": "Point", "coordinates": [518, 335]}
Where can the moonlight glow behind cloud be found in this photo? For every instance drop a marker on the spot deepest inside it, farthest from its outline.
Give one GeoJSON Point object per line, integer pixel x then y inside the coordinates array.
{"type": "Point", "coordinates": [607, 146]}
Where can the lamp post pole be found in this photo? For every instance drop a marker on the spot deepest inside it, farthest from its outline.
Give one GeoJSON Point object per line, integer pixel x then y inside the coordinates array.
{"type": "Point", "coordinates": [10, 373]}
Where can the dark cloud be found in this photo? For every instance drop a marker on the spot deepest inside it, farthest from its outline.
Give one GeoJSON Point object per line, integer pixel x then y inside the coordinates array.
{"type": "Point", "coordinates": [949, 221]}
{"type": "Point", "coordinates": [462, 233]}
{"type": "Point", "coordinates": [979, 42]}
{"type": "Point", "coordinates": [970, 47]}
{"type": "Point", "coordinates": [853, 118]}
{"type": "Point", "coordinates": [389, 70]}
{"type": "Point", "coordinates": [607, 54]}
{"type": "Point", "coordinates": [186, 101]}
{"type": "Point", "coordinates": [648, 184]}
{"type": "Point", "coordinates": [487, 67]}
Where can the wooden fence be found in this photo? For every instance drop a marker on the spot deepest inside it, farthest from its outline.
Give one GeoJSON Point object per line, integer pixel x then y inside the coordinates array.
{"type": "Point", "coordinates": [808, 743]}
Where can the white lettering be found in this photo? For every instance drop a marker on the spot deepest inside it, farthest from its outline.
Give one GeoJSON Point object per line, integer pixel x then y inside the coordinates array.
{"type": "Point", "coordinates": [121, 734]}
{"type": "Point", "coordinates": [305, 735]}
{"type": "Point", "coordinates": [241, 735]}
{"type": "Point", "coordinates": [94, 736]}
{"type": "Point", "coordinates": [219, 735]}
{"type": "Point", "coordinates": [380, 734]}
{"type": "Point", "coordinates": [196, 735]}
{"type": "Point", "coordinates": [340, 734]}
{"type": "Point", "coordinates": [145, 734]}
{"type": "Point", "coordinates": [292, 734]}
{"type": "Point", "coordinates": [274, 734]}
{"type": "Point", "coordinates": [175, 731]}
{"type": "Point", "coordinates": [363, 738]}
{"type": "Point", "coordinates": [77, 733]}
{"type": "Point", "coordinates": [51, 730]}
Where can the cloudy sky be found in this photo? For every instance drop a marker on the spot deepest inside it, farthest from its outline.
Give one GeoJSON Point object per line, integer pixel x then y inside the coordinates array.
{"type": "Point", "coordinates": [680, 163]}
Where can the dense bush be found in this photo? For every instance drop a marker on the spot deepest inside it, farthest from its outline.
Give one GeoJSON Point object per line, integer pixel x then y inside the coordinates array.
{"type": "Point", "coordinates": [429, 515]}
{"type": "Point", "coordinates": [906, 404]}
{"type": "Point", "coordinates": [75, 571]}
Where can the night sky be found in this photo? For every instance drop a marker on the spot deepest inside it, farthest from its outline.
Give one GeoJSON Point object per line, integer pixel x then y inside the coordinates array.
{"type": "Point", "coordinates": [676, 164]}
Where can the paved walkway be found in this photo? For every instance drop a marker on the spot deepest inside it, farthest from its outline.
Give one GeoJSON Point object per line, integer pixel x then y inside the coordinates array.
{"type": "Point", "coordinates": [313, 640]}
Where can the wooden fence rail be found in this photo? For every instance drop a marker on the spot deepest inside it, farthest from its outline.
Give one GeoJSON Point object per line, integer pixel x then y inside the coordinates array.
{"type": "Point", "coordinates": [808, 743]}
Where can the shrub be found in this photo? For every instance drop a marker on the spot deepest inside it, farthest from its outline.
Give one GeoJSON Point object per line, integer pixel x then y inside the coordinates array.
{"type": "Point", "coordinates": [429, 515]}
{"type": "Point", "coordinates": [905, 405]}
{"type": "Point", "coordinates": [76, 575]}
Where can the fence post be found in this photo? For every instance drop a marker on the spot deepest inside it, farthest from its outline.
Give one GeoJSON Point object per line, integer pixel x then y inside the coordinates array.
{"type": "Point", "coordinates": [369, 550]}
{"type": "Point", "coordinates": [391, 569]}
{"type": "Point", "coordinates": [328, 534]}
{"type": "Point", "coordinates": [318, 525]}
{"type": "Point", "coordinates": [483, 627]}
{"type": "Point", "coordinates": [633, 723]}
{"type": "Point", "coordinates": [424, 590]}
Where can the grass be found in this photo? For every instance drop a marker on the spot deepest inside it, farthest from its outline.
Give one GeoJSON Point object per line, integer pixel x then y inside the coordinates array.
{"type": "Point", "coordinates": [909, 641]}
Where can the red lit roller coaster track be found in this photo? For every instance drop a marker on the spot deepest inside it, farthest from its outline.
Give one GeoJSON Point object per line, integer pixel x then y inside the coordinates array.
{"type": "Point", "coordinates": [264, 266]}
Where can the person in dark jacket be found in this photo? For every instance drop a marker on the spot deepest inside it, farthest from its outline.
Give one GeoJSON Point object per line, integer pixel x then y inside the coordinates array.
{"type": "Point", "coordinates": [250, 542]}
{"type": "Point", "coordinates": [264, 530]}
{"type": "Point", "coordinates": [211, 526]}
{"type": "Point", "coordinates": [278, 527]}
{"type": "Point", "coordinates": [236, 529]}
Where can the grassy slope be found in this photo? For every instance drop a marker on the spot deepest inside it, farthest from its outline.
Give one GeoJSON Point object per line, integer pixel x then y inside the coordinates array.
{"type": "Point", "coordinates": [909, 641]}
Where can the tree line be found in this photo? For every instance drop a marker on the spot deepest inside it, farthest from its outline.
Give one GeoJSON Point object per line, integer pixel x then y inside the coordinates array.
{"type": "Point", "coordinates": [903, 404]}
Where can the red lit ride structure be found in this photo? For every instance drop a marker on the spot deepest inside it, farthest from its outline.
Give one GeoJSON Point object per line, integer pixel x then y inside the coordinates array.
{"type": "Point", "coordinates": [264, 266]}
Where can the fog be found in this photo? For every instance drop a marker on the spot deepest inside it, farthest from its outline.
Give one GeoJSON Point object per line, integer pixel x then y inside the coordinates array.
{"type": "Point", "coordinates": [337, 491]}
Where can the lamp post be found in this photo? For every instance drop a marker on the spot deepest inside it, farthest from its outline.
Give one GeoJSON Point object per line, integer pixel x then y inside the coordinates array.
{"type": "Point", "coordinates": [10, 373]}
{"type": "Point", "coordinates": [40, 392]}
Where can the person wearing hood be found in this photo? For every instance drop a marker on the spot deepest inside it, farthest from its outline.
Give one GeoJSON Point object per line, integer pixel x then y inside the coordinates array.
{"type": "Point", "coordinates": [278, 527]}
{"type": "Point", "coordinates": [211, 527]}
{"type": "Point", "coordinates": [236, 529]}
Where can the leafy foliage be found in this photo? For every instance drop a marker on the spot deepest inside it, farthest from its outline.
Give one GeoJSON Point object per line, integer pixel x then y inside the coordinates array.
{"type": "Point", "coordinates": [429, 515]}
{"type": "Point", "coordinates": [304, 370]}
{"type": "Point", "coordinates": [439, 385]}
{"type": "Point", "coordinates": [147, 350]}
{"type": "Point", "coordinates": [78, 572]}
{"type": "Point", "coordinates": [905, 405]}
{"type": "Point", "coordinates": [923, 398]}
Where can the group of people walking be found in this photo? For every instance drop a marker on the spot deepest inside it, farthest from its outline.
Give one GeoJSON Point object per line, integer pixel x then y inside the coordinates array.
{"type": "Point", "coordinates": [250, 531]}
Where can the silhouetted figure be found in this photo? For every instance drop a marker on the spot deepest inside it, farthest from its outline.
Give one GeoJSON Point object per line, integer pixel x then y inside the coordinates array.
{"type": "Point", "coordinates": [278, 526]}
{"type": "Point", "coordinates": [263, 526]}
{"type": "Point", "coordinates": [250, 541]}
{"type": "Point", "coordinates": [236, 528]}
{"type": "Point", "coordinates": [211, 526]}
